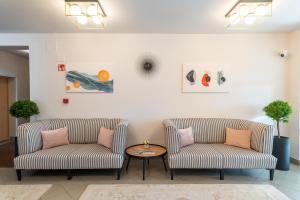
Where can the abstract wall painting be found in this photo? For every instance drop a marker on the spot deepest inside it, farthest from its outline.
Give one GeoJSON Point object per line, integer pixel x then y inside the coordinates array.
{"type": "Point", "coordinates": [89, 78]}
{"type": "Point", "coordinates": [204, 79]}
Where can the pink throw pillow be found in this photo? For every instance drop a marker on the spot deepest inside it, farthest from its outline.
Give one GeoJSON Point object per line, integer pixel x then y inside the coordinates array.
{"type": "Point", "coordinates": [238, 138]}
{"type": "Point", "coordinates": [105, 137]}
{"type": "Point", "coordinates": [54, 138]}
{"type": "Point", "coordinates": [187, 137]}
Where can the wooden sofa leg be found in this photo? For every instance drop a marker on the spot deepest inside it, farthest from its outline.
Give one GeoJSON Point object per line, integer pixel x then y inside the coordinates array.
{"type": "Point", "coordinates": [272, 174]}
{"type": "Point", "coordinates": [19, 174]}
{"type": "Point", "coordinates": [172, 174]}
{"type": "Point", "coordinates": [69, 174]}
{"type": "Point", "coordinates": [119, 174]}
{"type": "Point", "coordinates": [221, 174]}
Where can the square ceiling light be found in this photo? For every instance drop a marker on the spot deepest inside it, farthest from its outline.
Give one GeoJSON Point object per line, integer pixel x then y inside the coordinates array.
{"type": "Point", "coordinates": [247, 12]}
{"type": "Point", "coordinates": [87, 14]}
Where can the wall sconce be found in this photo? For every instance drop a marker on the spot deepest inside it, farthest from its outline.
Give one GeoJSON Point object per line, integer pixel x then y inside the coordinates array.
{"type": "Point", "coordinates": [87, 14]}
{"type": "Point", "coordinates": [245, 12]}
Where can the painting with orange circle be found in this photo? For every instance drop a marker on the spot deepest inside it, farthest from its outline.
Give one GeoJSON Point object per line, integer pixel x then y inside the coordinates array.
{"type": "Point", "coordinates": [91, 78]}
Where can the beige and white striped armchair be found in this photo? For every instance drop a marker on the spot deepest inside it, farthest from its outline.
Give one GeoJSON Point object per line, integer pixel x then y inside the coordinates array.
{"type": "Point", "coordinates": [83, 152]}
{"type": "Point", "coordinates": [209, 150]}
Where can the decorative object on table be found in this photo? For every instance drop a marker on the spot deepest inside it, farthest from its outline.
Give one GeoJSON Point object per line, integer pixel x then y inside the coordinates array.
{"type": "Point", "coordinates": [280, 111]}
{"type": "Point", "coordinates": [140, 152]}
{"type": "Point", "coordinates": [146, 143]}
{"type": "Point", "coordinates": [86, 14]}
{"type": "Point", "coordinates": [89, 78]}
{"type": "Point", "coordinates": [24, 109]}
{"type": "Point", "coordinates": [204, 79]}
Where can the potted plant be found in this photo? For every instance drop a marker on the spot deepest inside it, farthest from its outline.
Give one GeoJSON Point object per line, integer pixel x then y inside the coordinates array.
{"type": "Point", "coordinates": [280, 111]}
{"type": "Point", "coordinates": [24, 109]}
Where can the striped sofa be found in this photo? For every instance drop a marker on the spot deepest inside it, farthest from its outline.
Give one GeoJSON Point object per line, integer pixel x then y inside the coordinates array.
{"type": "Point", "coordinates": [83, 152]}
{"type": "Point", "coordinates": [209, 150]}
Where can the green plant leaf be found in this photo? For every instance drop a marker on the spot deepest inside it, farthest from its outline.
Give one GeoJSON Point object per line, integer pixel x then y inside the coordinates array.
{"type": "Point", "coordinates": [24, 109]}
{"type": "Point", "coordinates": [280, 111]}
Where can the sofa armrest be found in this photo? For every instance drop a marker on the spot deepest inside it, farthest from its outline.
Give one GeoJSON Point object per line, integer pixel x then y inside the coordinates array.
{"type": "Point", "coordinates": [172, 136]}
{"type": "Point", "coordinates": [29, 136]}
{"type": "Point", "coordinates": [262, 137]}
{"type": "Point", "coordinates": [120, 137]}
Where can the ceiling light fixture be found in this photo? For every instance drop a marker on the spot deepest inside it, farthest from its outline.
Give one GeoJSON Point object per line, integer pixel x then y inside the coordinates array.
{"type": "Point", "coordinates": [248, 12]}
{"type": "Point", "coordinates": [82, 20]}
{"type": "Point", "coordinates": [244, 10]}
{"type": "Point", "coordinates": [250, 19]}
{"type": "Point", "coordinates": [261, 10]}
{"type": "Point", "coordinates": [234, 19]}
{"type": "Point", "coordinates": [87, 14]}
{"type": "Point", "coordinates": [92, 10]}
{"type": "Point", "coordinates": [97, 20]}
{"type": "Point", "coordinates": [75, 10]}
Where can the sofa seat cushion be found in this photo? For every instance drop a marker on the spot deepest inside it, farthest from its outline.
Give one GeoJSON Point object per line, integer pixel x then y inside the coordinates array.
{"type": "Point", "coordinates": [54, 158]}
{"type": "Point", "coordinates": [196, 156]}
{"type": "Point", "coordinates": [239, 158]}
{"type": "Point", "coordinates": [94, 156]}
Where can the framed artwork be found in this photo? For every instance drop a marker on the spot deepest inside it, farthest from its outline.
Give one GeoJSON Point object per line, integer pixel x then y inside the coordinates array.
{"type": "Point", "coordinates": [89, 78]}
{"type": "Point", "coordinates": [204, 79]}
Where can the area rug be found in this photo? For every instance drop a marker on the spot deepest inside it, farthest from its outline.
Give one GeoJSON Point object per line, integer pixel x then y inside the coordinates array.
{"type": "Point", "coordinates": [23, 192]}
{"type": "Point", "coordinates": [182, 192]}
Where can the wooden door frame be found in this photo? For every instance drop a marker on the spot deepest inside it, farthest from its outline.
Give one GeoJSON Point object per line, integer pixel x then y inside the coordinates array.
{"type": "Point", "coordinates": [12, 97]}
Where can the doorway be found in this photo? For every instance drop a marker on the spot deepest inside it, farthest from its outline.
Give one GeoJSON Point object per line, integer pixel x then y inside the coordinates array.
{"type": "Point", "coordinates": [4, 116]}
{"type": "Point", "coordinates": [14, 85]}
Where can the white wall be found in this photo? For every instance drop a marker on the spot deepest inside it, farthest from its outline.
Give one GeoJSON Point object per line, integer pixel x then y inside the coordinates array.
{"type": "Point", "coordinates": [17, 68]}
{"type": "Point", "coordinates": [259, 76]}
{"type": "Point", "coordinates": [294, 91]}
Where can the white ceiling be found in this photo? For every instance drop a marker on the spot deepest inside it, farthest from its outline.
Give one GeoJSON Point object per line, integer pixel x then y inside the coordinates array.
{"type": "Point", "coordinates": [142, 16]}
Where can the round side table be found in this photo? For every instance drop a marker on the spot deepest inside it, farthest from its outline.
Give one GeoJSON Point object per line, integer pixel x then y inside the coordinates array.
{"type": "Point", "coordinates": [146, 152]}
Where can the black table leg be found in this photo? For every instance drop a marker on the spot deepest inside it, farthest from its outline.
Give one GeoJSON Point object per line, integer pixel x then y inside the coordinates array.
{"type": "Point", "coordinates": [128, 163]}
{"type": "Point", "coordinates": [144, 165]}
{"type": "Point", "coordinates": [163, 158]}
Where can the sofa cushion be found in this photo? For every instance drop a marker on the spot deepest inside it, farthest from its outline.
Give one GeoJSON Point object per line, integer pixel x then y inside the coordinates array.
{"type": "Point", "coordinates": [54, 158]}
{"type": "Point", "coordinates": [55, 138]}
{"type": "Point", "coordinates": [76, 129]}
{"type": "Point", "coordinates": [94, 156]}
{"type": "Point", "coordinates": [105, 137]}
{"type": "Point", "coordinates": [198, 125]}
{"type": "Point", "coordinates": [238, 138]}
{"type": "Point", "coordinates": [84, 131]}
{"type": "Point", "coordinates": [187, 137]}
{"type": "Point", "coordinates": [196, 156]}
{"type": "Point", "coordinates": [93, 126]}
{"type": "Point", "coordinates": [235, 157]}
{"type": "Point", "coordinates": [216, 129]}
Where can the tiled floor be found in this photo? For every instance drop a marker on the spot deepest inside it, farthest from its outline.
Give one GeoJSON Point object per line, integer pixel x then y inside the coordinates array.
{"type": "Point", "coordinates": [287, 182]}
